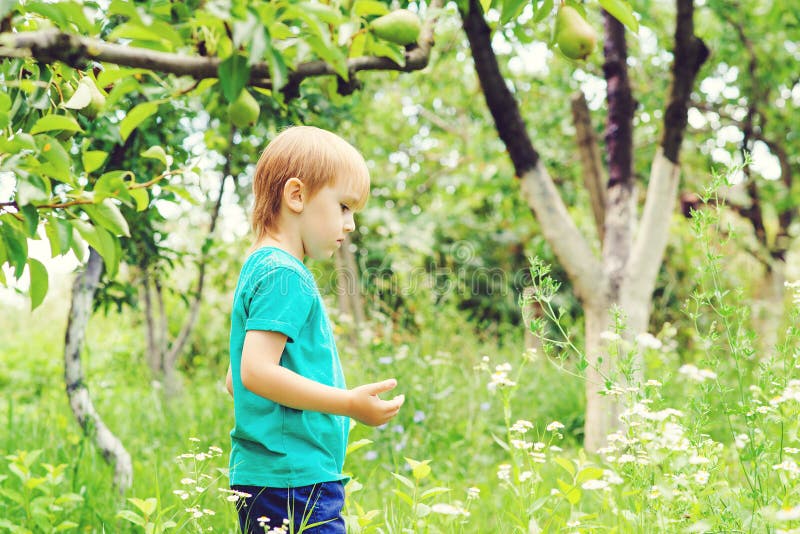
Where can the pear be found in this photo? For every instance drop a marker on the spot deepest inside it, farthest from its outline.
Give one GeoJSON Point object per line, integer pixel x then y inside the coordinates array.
{"type": "Point", "coordinates": [400, 27]}
{"type": "Point", "coordinates": [575, 37]}
{"type": "Point", "coordinates": [244, 110]}
{"type": "Point", "coordinates": [87, 99]}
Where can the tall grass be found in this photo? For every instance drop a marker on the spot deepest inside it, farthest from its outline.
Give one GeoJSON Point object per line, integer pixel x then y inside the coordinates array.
{"type": "Point", "coordinates": [488, 441]}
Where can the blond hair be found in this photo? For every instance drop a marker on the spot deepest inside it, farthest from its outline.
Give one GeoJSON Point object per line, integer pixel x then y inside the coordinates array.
{"type": "Point", "coordinates": [317, 157]}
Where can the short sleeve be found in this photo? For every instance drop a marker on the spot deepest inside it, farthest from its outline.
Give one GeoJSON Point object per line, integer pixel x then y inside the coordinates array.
{"type": "Point", "coordinates": [281, 301]}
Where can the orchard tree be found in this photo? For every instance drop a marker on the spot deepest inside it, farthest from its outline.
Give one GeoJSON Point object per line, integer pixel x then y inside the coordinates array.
{"type": "Point", "coordinates": [619, 275]}
{"type": "Point", "coordinates": [80, 79]}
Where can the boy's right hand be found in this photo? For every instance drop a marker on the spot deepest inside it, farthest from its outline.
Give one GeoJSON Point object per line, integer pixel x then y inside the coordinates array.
{"type": "Point", "coordinates": [368, 408]}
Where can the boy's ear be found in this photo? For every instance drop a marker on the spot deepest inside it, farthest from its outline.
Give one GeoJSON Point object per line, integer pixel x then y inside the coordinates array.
{"type": "Point", "coordinates": [294, 194]}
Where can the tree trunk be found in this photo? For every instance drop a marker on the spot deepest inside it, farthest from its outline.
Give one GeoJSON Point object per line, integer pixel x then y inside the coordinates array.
{"type": "Point", "coordinates": [83, 291]}
{"type": "Point", "coordinates": [768, 307]}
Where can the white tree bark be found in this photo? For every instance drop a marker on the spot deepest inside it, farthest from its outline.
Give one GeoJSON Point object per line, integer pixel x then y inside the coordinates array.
{"type": "Point", "coordinates": [111, 447]}
{"type": "Point", "coordinates": [569, 245]}
{"type": "Point", "coordinates": [651, 238]}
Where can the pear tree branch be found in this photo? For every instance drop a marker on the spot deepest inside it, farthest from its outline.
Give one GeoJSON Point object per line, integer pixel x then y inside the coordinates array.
{"type": "Point", "coordinates": [48, 46]}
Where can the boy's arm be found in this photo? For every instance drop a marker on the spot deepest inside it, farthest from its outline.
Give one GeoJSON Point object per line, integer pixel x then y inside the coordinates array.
{"type": "Point", "coordinates": [229, 381]}
{"type": "Point", "coordinates": [263, 375]}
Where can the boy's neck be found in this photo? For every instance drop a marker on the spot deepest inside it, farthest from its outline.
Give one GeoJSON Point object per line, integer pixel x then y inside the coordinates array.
{"type": "Point", "coordinates": [282, 242]}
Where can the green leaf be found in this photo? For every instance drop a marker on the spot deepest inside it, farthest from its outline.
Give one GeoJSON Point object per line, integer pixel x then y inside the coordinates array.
{"type": "Point", "coordinates": [623, 12]}
{"type": "Point", "coordinates": [51, 122]}
{"type": "Point", "coordinates": [566, 464]}
{"type": "Point", "coordinates": [388, 50]}
{"type": "Point", "coordinates": [353, 447]}
{"type": "Point", "coordinates": [57, 161]}
{"type": "Point", "coordinates": [358, 44]}
{"type": "Point", "coordinates": [365, 8]}
{"type": "Point", "coordinates": [333, 55]}
{"type": "Point", "coordinates": [511, 9]}
{"type": "Point", "coordinates": [156, 152]}
{"type": "Point", "coordinates": [589, 473]}
{"type": "Point", "coordinates": [93, 160]}
{"type": "Point", "coordinates": [108, 215]}
{"type": "Point", "coordinates": [141, 197]}
{"type": "Point", "coordinates": [433, 492]}
{"type": "Point", "coordinates": [32, 189]}
{"type": "Point", "coordinates": [39, 282]}
{"type": "Point", "coordinates": [485, 5]}
{"type": "Point", "coordinates": [102, 241]}
{"type": "Point", "coordinates": [403, 496]}
{"type": "Point", "coordinates": [324, 13]}
{"type": "Point", "coordinates": [543, 11]}
{"type": "Point", "coordinates": [31, 216]}
{"type": "Point", "coordinates": [135, 117]}
{"type": "Point", "coordinates": [147, 506]}
{"type": "Point", "coordinates": [112, 184]}
{"type": "Point", "coordinates": [420, 470]}
{"type": "Point", "coordinates": [404, 480]}
{"type": "Point", "coordinates": [65, 525]}
{"type": "Point", "coordinates": [16, 248]}
{"type": "Point", "coordinates": [59, 233]}
{"type": "Point", "coordinates": [131, 517]}
{"type": "Point", "coordinates": [234, 73]}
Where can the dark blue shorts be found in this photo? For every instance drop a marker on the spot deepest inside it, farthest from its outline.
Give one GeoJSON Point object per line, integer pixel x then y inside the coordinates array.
{"type": "Point", "coordinates": [313, 509]}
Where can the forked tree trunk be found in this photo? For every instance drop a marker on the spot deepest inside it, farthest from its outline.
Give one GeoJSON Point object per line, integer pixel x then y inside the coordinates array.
{"type": "Point", "coordinates": [83, 291]}
{"type": "Point", "coordinates": [624, 277]}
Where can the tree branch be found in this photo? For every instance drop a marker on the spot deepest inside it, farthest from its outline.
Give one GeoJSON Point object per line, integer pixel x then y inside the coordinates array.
{"type": "Point", "coordinates": [619, 145]}
{"type": "Point", "coordinates": [52, 45]}
{"type": "Point", "coordinates": [662, 190]}
{"type": "Point", "coordinates": [183, 336]}
{"type": "Point", "coordinates": [541, 194]}
{"type": "Point", "coordinates": [593, 175]}
{"type": "Point", "coordinates": [690, 54]}
{"type": "Point", "coordinates": [83, 291]}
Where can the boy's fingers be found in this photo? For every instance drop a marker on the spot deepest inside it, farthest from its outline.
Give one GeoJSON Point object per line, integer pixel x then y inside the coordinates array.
{"type": "Point", "coordinates": [380, 387]}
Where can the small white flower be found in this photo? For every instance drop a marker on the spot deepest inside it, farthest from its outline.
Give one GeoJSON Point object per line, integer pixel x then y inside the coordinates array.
{"type": "Point", "coordinates": [626, 458]}
{"type": "Point", "coordinates": [473, 493]}
{"type": "Point", "coordinates": [188, 481]}
{"type": "Point", "coordinates": [791, 450]}
{"type": "Point", "coordinates": [609, 336]}
{"type": "Point", "coordinates": [521, 426]}
{"type": "Point", "coordinates": [555, 425]}
{"type": "Point", "coordinates": [648, 341]}
{"type": "Point", "coordinates": [594, 484]}
{"type": "Point", "coordinates": [701, 477]}
{"type": "Point", "coordinates": [504, 472]}
{"type": "Point", "coordinates": [525, 475]}
{"type": "Point", "coordinates": [448, 509]}
{"type": "Point", "coordinates": [653, 383]}
{"type": "Point", "coordinates": [788, 514]}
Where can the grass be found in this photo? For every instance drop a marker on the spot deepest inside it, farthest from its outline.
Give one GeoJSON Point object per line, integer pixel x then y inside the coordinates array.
{"type": "Point", "coordinates": [488, 441]}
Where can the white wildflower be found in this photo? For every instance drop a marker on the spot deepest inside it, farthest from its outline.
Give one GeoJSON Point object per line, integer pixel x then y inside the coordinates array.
{"type": "Point", "coordinates": [701, 477]}
{"type": "Point", "coordinates": [648, 341]}
{"type": "Point", "coordinates": [554, 426]}
{"type": "Point", "coordinates": [448, 509]}
{"type": "Point", "coordinates": [609, 336]}
{"type": "Point", "coordinates": [594, 484]}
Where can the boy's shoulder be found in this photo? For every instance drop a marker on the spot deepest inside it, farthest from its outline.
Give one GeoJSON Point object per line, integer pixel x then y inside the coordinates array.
{"type": "Point", "coordinates": [272, 260]}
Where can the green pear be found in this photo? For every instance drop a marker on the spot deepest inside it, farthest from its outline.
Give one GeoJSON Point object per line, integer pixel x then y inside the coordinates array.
{"type": "Point", "coordinates": [87, 98]}
{"type": "Point", "coordinates": [575, 37]}
{"type": "Point", "coordinates": [244, 110]}
{"type": "Point", "coordinates": [400, 27]}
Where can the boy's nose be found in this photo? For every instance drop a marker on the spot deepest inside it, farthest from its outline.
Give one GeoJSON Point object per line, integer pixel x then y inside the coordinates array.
{"type": "Point", "coordinates": [349, 223]}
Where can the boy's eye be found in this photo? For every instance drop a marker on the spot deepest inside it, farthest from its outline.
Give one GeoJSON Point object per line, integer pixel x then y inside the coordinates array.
{"type": "Point", "coordinates": [344, 207]}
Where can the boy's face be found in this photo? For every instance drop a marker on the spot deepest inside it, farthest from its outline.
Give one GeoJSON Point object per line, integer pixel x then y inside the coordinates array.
{"type": "Point", "coordinates": [326, 219]}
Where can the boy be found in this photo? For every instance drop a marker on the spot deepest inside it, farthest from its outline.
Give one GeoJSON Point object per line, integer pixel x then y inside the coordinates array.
{"type": "Point", "coordinates": [290, 402]}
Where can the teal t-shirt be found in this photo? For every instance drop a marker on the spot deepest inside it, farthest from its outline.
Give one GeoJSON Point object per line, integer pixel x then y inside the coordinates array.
{"type": "Point", "coordinates": [273, 445]}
